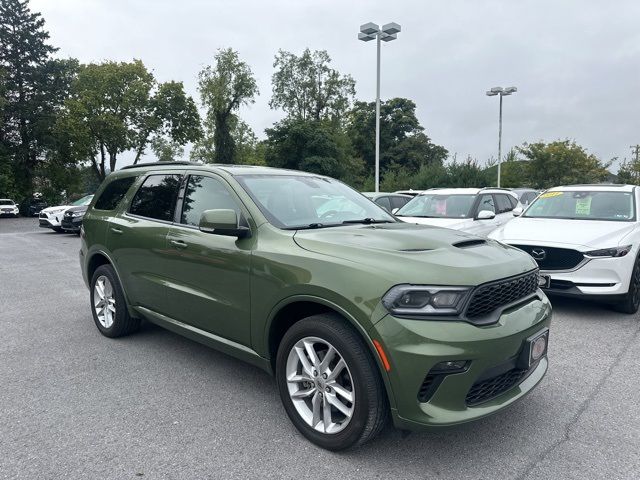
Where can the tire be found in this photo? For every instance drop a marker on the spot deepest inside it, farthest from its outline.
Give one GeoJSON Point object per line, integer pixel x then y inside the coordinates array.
{"type": "Point", "coordinates": [631, 301]}
{"type": "Point", "coordinates": [114, 321]}
{"type": "Point", "coordinates": [360, 380]}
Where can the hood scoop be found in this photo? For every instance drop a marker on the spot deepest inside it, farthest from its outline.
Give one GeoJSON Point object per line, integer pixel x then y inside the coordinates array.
{"type": "Point", "coordinates": [470, 243]}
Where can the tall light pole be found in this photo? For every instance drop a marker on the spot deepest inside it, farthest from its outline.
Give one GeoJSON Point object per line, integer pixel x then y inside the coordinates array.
{"type": "Point", "coordinates": [371, 31]}
{"type": "Point", "coordinates": [502, 92]}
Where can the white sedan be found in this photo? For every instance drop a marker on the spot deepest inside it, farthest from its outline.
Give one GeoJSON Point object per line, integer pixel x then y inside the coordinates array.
{"type": "Point", "coordinates": [52, 217]}
{"type": "Point", "coordinates": [586, 240]}
{"type": "Point", "coordinates": [473, 210]}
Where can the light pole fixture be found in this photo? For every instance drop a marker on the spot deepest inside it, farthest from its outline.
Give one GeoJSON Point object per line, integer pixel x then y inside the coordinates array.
{"type": "Point", "coordinates": [502, 92]}
{"type": "Point", "coordinates": [371, 31]}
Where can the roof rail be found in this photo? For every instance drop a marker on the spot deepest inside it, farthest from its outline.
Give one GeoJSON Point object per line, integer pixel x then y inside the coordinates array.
{"type": "Point", "coordinates": [158, 164]}
{"type": "Point", "coordinates": [496, 188]}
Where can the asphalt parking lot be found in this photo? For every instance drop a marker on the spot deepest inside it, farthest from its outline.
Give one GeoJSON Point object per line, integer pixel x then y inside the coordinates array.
{"type": "Point", "coordinates": [74, 404]}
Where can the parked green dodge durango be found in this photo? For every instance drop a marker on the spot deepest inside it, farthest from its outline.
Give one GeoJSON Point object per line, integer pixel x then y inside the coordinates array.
{"type": "Point", "coordinates": [358, 315]}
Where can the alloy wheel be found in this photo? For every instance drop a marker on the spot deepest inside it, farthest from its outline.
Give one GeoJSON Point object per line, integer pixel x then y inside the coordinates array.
{"type": "Point", "coordinates": [320, 385]}
{"type": "Point", "coordinates": [104, 301]}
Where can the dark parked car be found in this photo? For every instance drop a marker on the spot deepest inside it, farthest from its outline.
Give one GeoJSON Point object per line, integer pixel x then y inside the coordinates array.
{"type": "Point", "coordinates": [72, 219]}
{"type": "Point", "coordinates": [388, 201]}
{"type": "Point", "coordinates": [32, 207]}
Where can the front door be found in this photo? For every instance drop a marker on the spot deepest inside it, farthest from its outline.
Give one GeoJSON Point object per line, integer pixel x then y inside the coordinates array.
{"type": "Point", "coordinates": [209, 282]}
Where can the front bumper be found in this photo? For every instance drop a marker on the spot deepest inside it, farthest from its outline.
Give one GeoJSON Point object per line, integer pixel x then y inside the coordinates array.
{"type": "Point", "coordinates": [6, 212]}
{"type": "Point", "coordinates": [71, 224]}
{"type": "Point", "coordinates": [49, 221]}
{"type": "Point", "coordinates": [597, 277]}
{"type": "Point", "coordinates": [414, 347]}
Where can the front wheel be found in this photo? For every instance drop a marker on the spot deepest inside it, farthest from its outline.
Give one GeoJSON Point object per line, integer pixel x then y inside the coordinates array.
{"type": "Point", "coordinates": [631, 301]}
{"type": "Point", "coordinates": [329, 383]}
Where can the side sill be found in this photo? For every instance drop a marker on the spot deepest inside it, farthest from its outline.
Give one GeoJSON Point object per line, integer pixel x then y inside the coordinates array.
{"type": "Point", "coordinates": [224, 345]}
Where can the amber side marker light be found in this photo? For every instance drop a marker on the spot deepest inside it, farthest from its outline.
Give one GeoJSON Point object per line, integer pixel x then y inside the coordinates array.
{"type": "Point", "coordinates": [383, 356]}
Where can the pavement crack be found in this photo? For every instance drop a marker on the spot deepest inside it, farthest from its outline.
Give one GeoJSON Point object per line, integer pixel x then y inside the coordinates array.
{"type": "Point", "coordinates": [583, 407]}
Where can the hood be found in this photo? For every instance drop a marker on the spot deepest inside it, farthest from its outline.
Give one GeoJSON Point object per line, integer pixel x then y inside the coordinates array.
{"type": "Point", "coordinates": [418, 253]}
{"type": "Point", "coordinates": [454, 223]}
{"type": "Point", "coordinates": [580, 234]}
{"type": "Point", "coordinates": [56, 208]}
{"type": "Point", "coordinates": [81, 209]}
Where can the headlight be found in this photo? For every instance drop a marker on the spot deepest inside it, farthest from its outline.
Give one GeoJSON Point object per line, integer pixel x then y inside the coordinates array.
{"type": "Point", "coordinates": [77, 214]}
{"type": "Point", "coordinates": [609, 252]}
{"type": "Point", "coordinates": [419, 300]}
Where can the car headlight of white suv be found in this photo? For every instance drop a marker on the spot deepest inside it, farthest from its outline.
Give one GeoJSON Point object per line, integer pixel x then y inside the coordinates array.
{"type": "Point", "coordinates": [609, 252]}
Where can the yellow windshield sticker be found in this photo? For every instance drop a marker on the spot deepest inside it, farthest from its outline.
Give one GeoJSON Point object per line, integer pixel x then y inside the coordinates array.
{"type": "Point", "coordinates": [551, 194]}
{"type": "Point", "coordinates": [583, 206]}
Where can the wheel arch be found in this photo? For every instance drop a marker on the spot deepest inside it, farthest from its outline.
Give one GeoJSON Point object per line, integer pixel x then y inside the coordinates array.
{"type": "Point", "coordinates": [293, 309]}
{"type": "Point", "coordinates": [96, 260]}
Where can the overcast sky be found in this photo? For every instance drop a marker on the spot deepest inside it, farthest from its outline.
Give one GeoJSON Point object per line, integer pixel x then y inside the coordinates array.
{"type": "Point", "coordinates": [576, 63]}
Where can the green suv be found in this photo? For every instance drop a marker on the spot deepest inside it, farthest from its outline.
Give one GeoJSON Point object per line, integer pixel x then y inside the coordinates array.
{"type": "Point", "coordinates": [358, 315]}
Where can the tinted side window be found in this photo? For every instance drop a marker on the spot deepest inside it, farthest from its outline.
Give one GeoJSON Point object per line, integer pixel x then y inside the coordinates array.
{"type": "Point", "coordinates": [205, 193]}
{"type": "Point", "coordinates": [504, 205]}
{"type": "Point", "coordinates": [486, 203]}
{"type": "Point", "coordinates": [113, 193]}
{"type": "Point", "coordinates": [528, 198]}
{"type": "Point", "coordinates": [399, 202]}
{"type": "Point", "coordinates": [156, 198]}
{"type": "Point", "coordinates": [513, 201]}
{"type": "Point", "coordinates": [384, 203]}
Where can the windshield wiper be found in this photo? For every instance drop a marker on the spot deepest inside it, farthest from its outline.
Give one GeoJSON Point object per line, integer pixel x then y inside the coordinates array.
{"type": "Point", "coordinates": [367, 221]}
{"type": "Point", "coordinates": [418, 216]}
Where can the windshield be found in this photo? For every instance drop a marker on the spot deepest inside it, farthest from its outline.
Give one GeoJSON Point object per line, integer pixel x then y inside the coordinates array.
{"type": "Point", "coordinates": [584, 205]}
{"type": "Point", "coordinates": [438, 206]}
{"type": "Point", "coordinates": [296, 201]}
{"type": "Point", "coordinates": [83, 201]}
{"type": "Point", "coordinates": [6, 202]}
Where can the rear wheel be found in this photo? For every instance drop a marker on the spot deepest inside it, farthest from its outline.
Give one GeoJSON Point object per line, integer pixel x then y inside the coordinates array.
{"type": "Point", "coordinates": [329, 383]}
{"type": "Point", "coordinates": [631, 301]}
{"type": "Point", "coordinates": [108, 305]}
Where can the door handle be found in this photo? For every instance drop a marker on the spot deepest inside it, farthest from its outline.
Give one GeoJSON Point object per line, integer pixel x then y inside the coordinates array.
{"type": "Point", "coordinates": [178, 243]}
{"type": "Point", "coordinates": [116, 230]}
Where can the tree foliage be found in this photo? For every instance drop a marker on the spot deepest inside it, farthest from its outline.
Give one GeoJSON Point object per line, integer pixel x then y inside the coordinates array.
{"type": "Point", "coordinates": [118, 106]}
{"type": "Point", "coordinates": [562, 162]}
{"type": "Point", "coordinates": [403, 142]}
{"type": "Point", "coordinates": [224, 88]}
{"type": "Point", "coordinates": [307, 88]}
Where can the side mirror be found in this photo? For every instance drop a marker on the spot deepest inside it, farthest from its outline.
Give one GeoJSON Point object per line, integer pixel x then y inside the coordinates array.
{"type": "Point", "coordinates": [395, 210]}
{"type": "Point", "coordinates": [222, 222]}
{"type": "Point", "coordinates": [486, 215]}
{"type": "Point", "coordinates": [517, 211]}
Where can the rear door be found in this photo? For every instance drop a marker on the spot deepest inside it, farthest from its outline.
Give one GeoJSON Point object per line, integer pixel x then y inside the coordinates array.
{"type": "Point", "coordinates": [137, 239]}
{"type": "Point", "coordinates": [209, 275]}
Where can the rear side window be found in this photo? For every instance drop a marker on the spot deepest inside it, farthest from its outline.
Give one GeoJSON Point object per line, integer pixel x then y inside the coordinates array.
{"type": "Point", "coordinates": [398, 202]}
{"type": "Point", "coordinates": [205, 193]}
{"type": "Point", "coordinates": [114, 193]}
{"type": "Point", "coordinates": [156, 198]}
{"type": "Point", "coordinates": [384, 203]}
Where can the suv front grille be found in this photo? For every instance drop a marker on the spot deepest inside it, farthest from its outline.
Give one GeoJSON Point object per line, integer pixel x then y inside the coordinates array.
{"type": "Point", "coordinates": [552, 258]}
{"type": "Point", "coordinates": [485, 390]}
{"type": "Point", "coordinates": [489, 297]}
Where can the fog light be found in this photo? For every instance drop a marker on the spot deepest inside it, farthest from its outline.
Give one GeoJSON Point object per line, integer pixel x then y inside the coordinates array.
{"type": "Point", "coordinates": [450, 366]}
{"type": "Point", "coordinates": [538, 348]}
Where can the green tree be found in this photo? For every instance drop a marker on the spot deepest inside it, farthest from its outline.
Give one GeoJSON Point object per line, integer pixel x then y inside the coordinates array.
{"type": "Point", "coordinates": [170, 112]}
{"type": "Point", "coordinates": [562, 162]}
{"type": "Point", "coordinates": [224, 88]}
{"type": "Point", "coordinates": [31, 80]}
{"type": "Point", "coordinates": [116, 107]}
{"type": "Point", "coordinates": [312, 146]}
{"type": "Point", "coordinates": [403, 142]}
{"type": "Point", "coordinates": [166, 150]}
{"type": "Point", "coordinates": [629, 172]}
{"type": "Point", "coordinates": [307, 88]}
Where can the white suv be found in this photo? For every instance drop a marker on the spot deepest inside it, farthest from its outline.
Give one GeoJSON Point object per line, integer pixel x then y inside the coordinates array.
{"type": "Point", "coordinates": [8, 207]}
{"type": "Point", "coordinates": [52, 217]}
{"type": "Point", "coordinates": [585, 239]}
{"type": "Point", "coordinates": [472, 210]}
